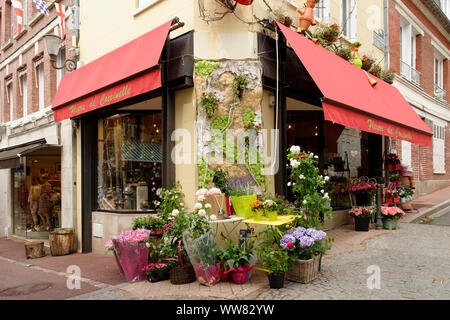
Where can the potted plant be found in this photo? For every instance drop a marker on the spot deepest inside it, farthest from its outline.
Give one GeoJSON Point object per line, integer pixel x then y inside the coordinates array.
{"type": "Point", "coordinates": [243, 192]}
{"type": "Point", "coordinates": [363, 192]}
{"type": "Point", "coordinates": [237, 259]}
{"type": "Point", "coordinates": [388, 76]}
{"type": "Point", "coordinates": [367, 63]}
{"type": "Point", "coordinates": [257, 209]}
{"type": "Point", "coordinates": [304, 247]}
{"type": "Point", "coordinates": [363, 216]}
{"type": "Point", "coordinates": [270, 209]}
{"type": "Point", "coordinates": [157, 272]}
{"type": "Point", "coordinates": [276, 261]}
{"type": "Point", "coordinates": [239, 85]}
{"type": "Point", "coordinates": [376, 71]}
{"type": "Point", "coordinates": [331, 33]}
{"type": "Point", "coordinates": [355, 54]}
{"type": "Point", "coordinates": [391, 215]}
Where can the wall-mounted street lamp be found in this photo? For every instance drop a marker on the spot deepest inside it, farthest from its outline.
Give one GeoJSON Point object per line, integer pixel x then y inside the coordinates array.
{"type": "Point", "coordinates": [52, 46]}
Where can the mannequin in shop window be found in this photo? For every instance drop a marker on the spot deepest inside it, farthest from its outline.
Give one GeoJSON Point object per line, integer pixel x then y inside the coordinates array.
{"type": "Point", "coordinates": [33, 199]}
{"type": "Point", "coordinates": [44, 202]}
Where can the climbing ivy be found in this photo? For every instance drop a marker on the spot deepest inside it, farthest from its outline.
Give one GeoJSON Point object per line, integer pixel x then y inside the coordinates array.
{"type": "Point", "coordinates": [205, 175]}
{"type": "Point", "coordinates": [221, 123]}
{"type": "Point", "coordinates": [249, 117]}
{"type": "Point", "coordinates": [204, 68]}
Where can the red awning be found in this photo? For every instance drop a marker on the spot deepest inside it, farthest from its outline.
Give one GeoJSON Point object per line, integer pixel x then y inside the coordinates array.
{"type": "Point", "coordinates": [121, 74]}
{"type": "Point", "coordinates": [350, 100]}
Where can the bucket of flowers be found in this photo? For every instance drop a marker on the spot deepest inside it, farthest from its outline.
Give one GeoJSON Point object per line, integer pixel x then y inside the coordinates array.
{"type": "Point", "coordinates": [257, 209]}
{"type": "Point", "coordinates": [391, 215]}
{"type": "Point", "coordinates": [243, 192]}
{"type": "Point", "coordinates": [270, 209]}
{"type": "Point", "coordinates": [157, 272]}
{"type": "Point", "coordinates": [363, 216]}
{"type": "Point", "coordinates": [131, 251]}
{"type": "Point", "coordinates": [304, 247]}
{"type": "Point", "coordinates": [363, 191]}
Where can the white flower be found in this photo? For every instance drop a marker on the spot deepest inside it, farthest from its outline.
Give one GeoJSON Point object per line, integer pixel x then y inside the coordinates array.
{"type": "Point", "coordinates": [198, 206]}
{"type": "Point", "coordinates": [294, 163]}
{"type": "Point", "coordinates": [202, 192]}
{"type": "Point", "coordinates": [182, 204]}
{"type": "Point", "coordinates": [208, 206]}
{"type": "Point", "coordinates": [213, 217]}
{"type": "Point", "coordinates": [289, 184]}
{"type": "Point", "coordinates": [201, 212]}
{"type": "Point", "coordinates": [326, 196]}
{"type": "Point", "coordinates": [201, 198]}
{"type": "Point", "coordinates": [293, 183]}
{"type": "Point", "coordinates": [305, 202]}
{"type": "Point", "coordinates": [327, 178]}
{"type": "Point", "coordinates": [302, 176]}
{"type": "Point", "coordinates": [322, 191]}
{"type": "Point", "coordinates": [175, 212]}
{"type": "Point", "coordinates": [295, 149]}
{"type": "Point", "coordinates": [147, 245]}
{"type": "Point", "coordinates": [158, 192]}
{"type": "Point", "coordinates": [214, 192]}
{"type": "Point", "coordinates": [311, 154]}
{"type": "Point", "coordinates": [316, 157]}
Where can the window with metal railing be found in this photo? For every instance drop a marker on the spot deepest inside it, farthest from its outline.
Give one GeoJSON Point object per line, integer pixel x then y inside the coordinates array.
{"type": "Point", "coordinates": [409, 72]}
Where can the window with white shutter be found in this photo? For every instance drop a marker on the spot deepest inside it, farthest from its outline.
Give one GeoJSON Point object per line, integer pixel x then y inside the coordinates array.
{"type": "Point", "coordinates": [438, 149]}
{"type": "Point", "coordinates": [406, 155]}
{"type": "Point", "coordinates": [348, 18]}
{"type": "Point", "coordinates": [322, 11]}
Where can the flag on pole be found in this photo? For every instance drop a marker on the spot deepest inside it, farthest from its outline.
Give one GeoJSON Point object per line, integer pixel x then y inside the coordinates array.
{"type": "Point", "coordinates": [40, 6]}
{"type": "Point", "coordinates": [18, 11]}
{"type": "Point", "coordinates": [61, 13]}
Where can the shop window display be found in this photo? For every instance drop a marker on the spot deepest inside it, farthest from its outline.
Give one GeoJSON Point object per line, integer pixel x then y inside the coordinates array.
{"type": "Point", "coordinates": [37, 196]}
{"type": "Point", "coordinates": [129, 161]}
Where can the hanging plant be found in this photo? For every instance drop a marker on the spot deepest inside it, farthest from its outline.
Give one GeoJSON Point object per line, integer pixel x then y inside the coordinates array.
{"type": "Point", "coordinates": [331, 33]}
{"type": "Point", "coordinates": [209, 103]}
{"type": "Point", "coordinates": [282, 18]}
{"type": "Point", "coordinates": [376, 71]}
{"type": "Point", "coordinates": [239, 85]}
{"type": "Point", "coordinates": [345, 53]}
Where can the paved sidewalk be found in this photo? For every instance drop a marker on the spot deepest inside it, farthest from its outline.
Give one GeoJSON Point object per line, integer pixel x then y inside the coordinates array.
{"type": "Point", "coordinates": [425, 203]}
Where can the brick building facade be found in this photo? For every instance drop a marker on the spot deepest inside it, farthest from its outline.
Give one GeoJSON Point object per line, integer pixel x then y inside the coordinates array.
{"type": "Point", "coordinates": [28, 83]}
{"type": "Point", "coordinates": [419, 53]}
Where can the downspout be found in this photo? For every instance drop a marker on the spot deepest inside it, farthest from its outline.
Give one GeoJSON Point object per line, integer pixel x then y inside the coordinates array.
{"type": "Point", "coordinates": [386, 34]}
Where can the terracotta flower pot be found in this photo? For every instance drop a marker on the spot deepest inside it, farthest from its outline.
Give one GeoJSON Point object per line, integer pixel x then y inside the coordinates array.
{"type": "Point", "coordinates": [306, 18]}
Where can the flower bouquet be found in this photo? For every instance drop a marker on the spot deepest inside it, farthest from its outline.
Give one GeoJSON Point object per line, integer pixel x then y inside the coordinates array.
{"type": "Point", "coordinates": [157, 272]}
{"type": "Point", "coordinates": [363, 216]}
{"type": "Point", "coordinates": [304, 246]}
{"type": "Point", "coordinates": [270, 209]}
{"type": "Point", "coordinates": [131, 253]}
{"type": "Point", "coordinates": [257, 209]}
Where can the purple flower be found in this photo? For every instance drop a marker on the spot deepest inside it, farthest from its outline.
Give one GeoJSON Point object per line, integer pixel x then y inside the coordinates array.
{"type": "Point", "coordinates": [290, 231]}
{"type": "Point", "coordinates": [306, 242]}
{"type": "Point", "coordinates": [287, 238]}
{"type": "Point", "coordinates": [310, 231]}
{"type": "Point", "coordinates": [318, 235]}
{"type": "Point", "coordinates": [299, 232]}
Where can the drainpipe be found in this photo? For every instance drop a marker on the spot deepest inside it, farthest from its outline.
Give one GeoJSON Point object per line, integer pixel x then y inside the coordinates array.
{"type": "Point", "coordinates": [386, 34]}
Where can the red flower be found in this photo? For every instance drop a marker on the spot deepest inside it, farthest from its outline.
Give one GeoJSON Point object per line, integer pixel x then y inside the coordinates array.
{"type": "Point", "coordinates": [289, 245]}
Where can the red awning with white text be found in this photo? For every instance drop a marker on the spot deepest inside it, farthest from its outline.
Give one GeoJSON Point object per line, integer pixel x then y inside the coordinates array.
{"type": "Point", "coordinates": [123, 73]}
{"type": "Point", "coordinates": [350, 100]}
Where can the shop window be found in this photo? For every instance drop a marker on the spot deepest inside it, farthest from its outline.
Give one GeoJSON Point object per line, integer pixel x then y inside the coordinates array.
{"type": "Point", "coordinates": [348, 18]}
{"type": "Point", "coordinates": [37, 194]}
{"type": "Point", "coordinates": [129, 161]}
{"type": "Point", "coordinates": [438, 149]}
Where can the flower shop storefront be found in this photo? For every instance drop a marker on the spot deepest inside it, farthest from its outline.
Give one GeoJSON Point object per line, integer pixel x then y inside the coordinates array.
{"type": "Point", "coordinates": [123, 107]}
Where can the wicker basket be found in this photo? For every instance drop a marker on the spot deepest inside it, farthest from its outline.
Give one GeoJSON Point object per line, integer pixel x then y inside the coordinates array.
{"type": "Point", "coordinates": [182, 275]}
{"type": "Point", "coordinates": [304, 271]}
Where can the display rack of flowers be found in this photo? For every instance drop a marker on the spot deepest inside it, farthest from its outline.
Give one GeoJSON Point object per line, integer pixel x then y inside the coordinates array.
{"type": "Point", "coordinates": [363, 191]}
{"type": "Point", "coordinates": [236, 260]}
{"type": "Point", "coordinates": [363, 216]}
{"type": "Point", "coordinates": [304, 247]}
{"type": "Point", "coordinates": [391, 215]}
{"type": "Point", "coordinates": [395, 180]}
{"type": "Point", "coordinates": [130, 249]}
{"type": "Point", "coordinates": [392, 162]}
{"type": "Point", "coordinates": [243, 191]}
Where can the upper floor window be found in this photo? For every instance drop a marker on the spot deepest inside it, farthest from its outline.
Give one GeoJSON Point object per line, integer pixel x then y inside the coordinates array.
{"type": "Point", "coordinates": [439, 92]}
{"type": "Point", "coordinates": [39, 77]}
{"type": "Point", "coordinates": [322, 11]}
{"type": "Point", "coordinates": [61, 58]}
{"type": "Point", "coordinates": [408, 52]}
{"type": "Point", "coordinates": [23, 91]}
{"type": "Point", "coordinates": [348, 18]}
{"type": "Point", "coordinates": [438, 149]}
{"type": "Point", "coordinates": [10, 98]}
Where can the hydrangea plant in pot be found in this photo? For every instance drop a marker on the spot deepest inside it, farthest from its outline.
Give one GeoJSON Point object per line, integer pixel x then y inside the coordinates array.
{"type": "Point", "coordinates": [304, 247]}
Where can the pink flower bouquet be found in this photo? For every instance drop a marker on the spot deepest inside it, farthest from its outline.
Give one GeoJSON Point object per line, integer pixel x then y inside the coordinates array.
{"type": "Point", "coordinates": [131, 253]}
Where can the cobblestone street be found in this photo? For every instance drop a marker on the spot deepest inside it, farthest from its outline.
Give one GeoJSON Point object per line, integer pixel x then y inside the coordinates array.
{"type": "Point", "coordinates": [414, 262]}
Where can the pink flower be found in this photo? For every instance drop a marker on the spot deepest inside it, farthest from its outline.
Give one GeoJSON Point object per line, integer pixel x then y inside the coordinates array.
{"type": "Point", "coordinates": [289, 244]}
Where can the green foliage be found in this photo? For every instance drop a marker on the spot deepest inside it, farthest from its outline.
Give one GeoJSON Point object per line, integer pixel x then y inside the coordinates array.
{"type": "Point", "coordinates": [149, 222]}
{"type": "Point", "coordinates": [249, 116]}
{"type": "Point", "coordinates": [388, 76]}
{"type": "Point", "coordinates": [204, 174]}
{"type": "Point", "coordinates": [220, 180]}
{"type": "Point", "coordinates": [274, 258]}
{"type": "Point", "coordinates": [345, 53]}
{"type": "Point", "coordinates": [236, 255]}
{"type": "Point", "coordinates": [204, 68]}
{"type": "Point", "coordinates": [170, 200]}
{"type": "Point", "coordinates": [376, 71]}
{"type": "Point", "coordinates": [220, 123]}
{"type": "Point", "coordinates": [239, 84]}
